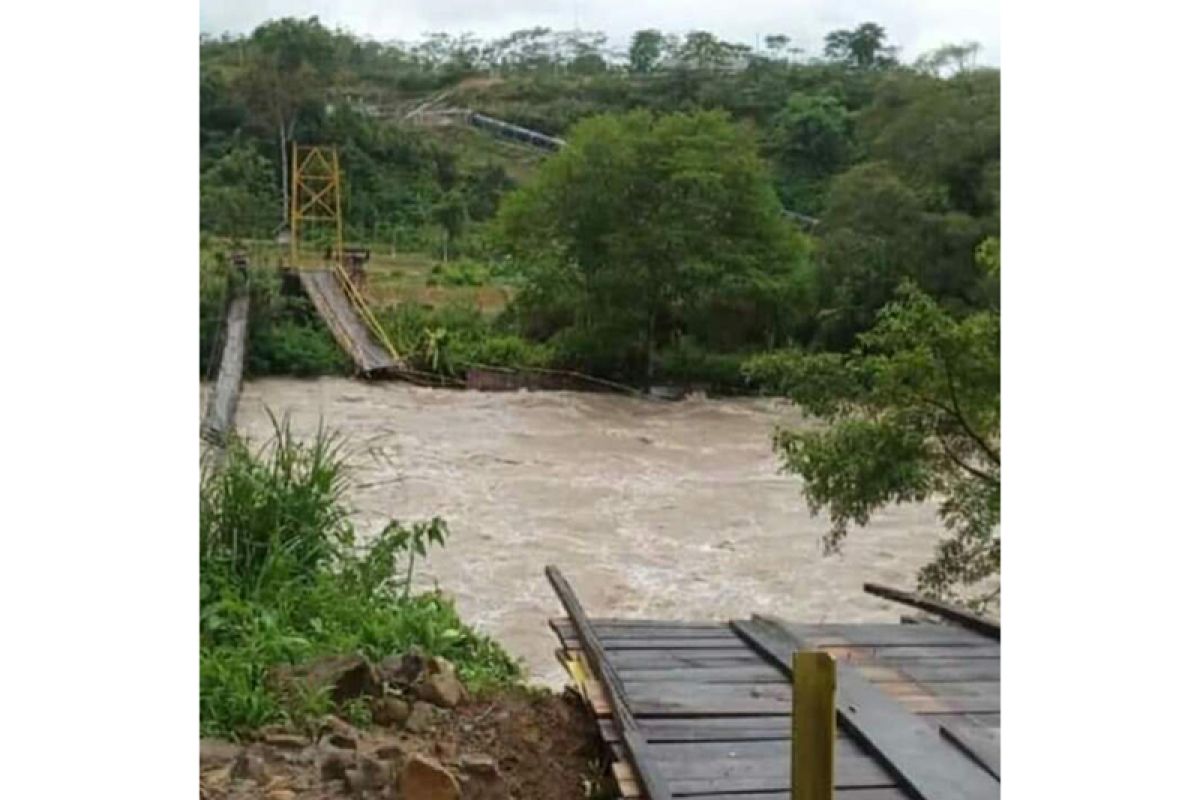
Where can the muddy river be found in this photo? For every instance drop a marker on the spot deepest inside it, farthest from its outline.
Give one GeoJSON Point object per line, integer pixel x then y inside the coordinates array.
{"type": "Point", "coordinates": [651, 509]}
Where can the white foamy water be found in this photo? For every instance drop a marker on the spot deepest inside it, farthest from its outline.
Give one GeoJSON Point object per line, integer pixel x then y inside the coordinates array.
{"type": "Point", "coordinates": [663, 510]}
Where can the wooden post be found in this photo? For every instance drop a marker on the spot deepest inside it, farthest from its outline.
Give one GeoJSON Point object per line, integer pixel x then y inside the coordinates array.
{"type": "Point", "coordinates": [814, 725]}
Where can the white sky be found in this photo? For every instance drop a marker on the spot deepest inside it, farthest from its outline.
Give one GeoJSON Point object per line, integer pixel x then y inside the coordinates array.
{"type": "Point", "coordinates": [915, 25]}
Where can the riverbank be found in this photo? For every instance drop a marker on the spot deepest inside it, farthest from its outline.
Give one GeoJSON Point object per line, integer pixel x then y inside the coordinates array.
{"type": "Point", "coordinates": [668, 510]}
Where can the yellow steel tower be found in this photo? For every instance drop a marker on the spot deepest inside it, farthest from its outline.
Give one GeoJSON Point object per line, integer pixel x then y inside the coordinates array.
{"type": "Point", "coordinates": [317, 202]}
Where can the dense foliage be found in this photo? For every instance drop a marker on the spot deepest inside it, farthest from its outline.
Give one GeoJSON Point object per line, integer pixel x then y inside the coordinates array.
{"type": "Point", "coordinates": [899, 163]}
{"type": "Point", "coordinates": [282, 580]}
{"type": "Point", "coordinates": [685, 239]}
{"type": "Point", "coordinates": [913, 413]}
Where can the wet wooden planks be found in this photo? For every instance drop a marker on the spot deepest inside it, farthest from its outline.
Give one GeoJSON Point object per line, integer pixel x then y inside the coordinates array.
{"type": "Point", "coordinates": [715, 715]}
{"type": "Point", "coordinates": [352, 334]}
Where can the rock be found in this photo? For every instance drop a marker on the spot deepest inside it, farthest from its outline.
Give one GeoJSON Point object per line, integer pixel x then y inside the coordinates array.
{"type": "Point", "coordinates": [281, 794]}
{"type": "Point", "coordinates": [334, 763]}
{"type": "Point", "coordinates": [482, 779]}
{"type": "Point", "coordinates": [389, 752]}
{"type": "Point", "coordinates": [374, 772]}
{"type": "Point", "coordinates": [478, 763]}
{"type": "Point", "coordinates": [347, 677]}
{"type": "Point", "coordinates": [334, 724]}
{"type": "Point", "coordinates": [340, 741]}
{"type": "Point", "coordinates": [446, 751]}
{"type": "Point", "coordinates": [276, 783]}
{"type": "Point", "coordinates": [391, 711]}
{"type": "Point", "coordinates": [422, 717]}
{"type": "Point", "coordinates": [402, 670]}
{"type": "Point", "coordinates": [286, 741]}
{"type": "Point", "coordinates": [250, 766]}
{"type": "Point", "coordinates": [441, 685]}
{"type": "Point", "coordinates": [424, 778]}
{"type": "Point", "coordinates": [215, 753]}
{"type": "Point", "coordinates": [356, 783]}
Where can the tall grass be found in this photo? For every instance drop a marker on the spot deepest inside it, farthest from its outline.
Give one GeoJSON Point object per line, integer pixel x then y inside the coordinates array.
{"type": "Point", "coordinates": [282, 581]}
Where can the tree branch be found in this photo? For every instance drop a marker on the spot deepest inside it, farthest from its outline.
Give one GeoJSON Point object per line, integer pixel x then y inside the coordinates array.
{"type": "Point", "coordinates": [949, 452]}
{"type": "Point", "coordinates": [957, 412]}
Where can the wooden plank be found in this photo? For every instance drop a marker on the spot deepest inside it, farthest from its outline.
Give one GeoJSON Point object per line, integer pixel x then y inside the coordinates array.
{"type": "Point", "coordinates": [940, 671]}
{"type": "Point", "coordinates": [750, 673]}
{"type": "Point", "coordinates": [666, 730]}
{"type": "Point", "coordinates": [688, 787]}
{"type": "Point", "coordinates": [982, 744]}
{"type": "Point", "coordinates": [653, 784]}
{"type": "Point", "coordinates": [943, 652]}
{"type": "Point", "coordinates": [708, 729]}
{"type": "Point", "coordinates": [814, 726]}
{"type": "Point", "coordinates": [919, 758]}
{"type": "Point", "coordinates": [852, 793]}
{"type": "Point", "coordinates": [855, 770]}
{"type": "Point", "coordinates": [848, 793]}
{"type": "Point", "coordinates": [223, 401]}
{"type": "Point", "coordinates": [979, 720]}
{"type": "Point", "coordinates": [612, 644]}
{"type": "Point", "coordinates": [675, 659]}
{"type": "Point", "coordinates": [968, 619]}
{"type": "Point", "coordinates": [877, 635]}
{"type": "Point", "coordinates": [602, 625]}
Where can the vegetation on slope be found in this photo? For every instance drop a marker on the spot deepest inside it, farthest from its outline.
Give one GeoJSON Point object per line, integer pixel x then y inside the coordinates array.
{"type": "Point", "coordinates": [283, 580]}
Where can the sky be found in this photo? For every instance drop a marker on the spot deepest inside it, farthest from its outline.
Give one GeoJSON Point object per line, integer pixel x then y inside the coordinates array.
{"type": "Point", "coordinates": [915, 25]}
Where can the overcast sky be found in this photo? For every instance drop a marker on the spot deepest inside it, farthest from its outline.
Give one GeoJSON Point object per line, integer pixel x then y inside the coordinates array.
{"type": "Point", "coordinates": [915, 25]}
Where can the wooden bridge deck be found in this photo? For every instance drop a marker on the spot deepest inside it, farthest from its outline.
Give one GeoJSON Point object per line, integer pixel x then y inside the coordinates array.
{"type": "Point", "coordinates": [715, 713]}
{"type": "Point", "coordinates": [355, 338]}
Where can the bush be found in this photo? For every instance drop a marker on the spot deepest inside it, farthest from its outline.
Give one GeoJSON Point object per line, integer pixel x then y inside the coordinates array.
{"type": "Point", "coordinates": [281, 581]}
{"type": "Point", "coordinates": [687, 363]}
{"type": "Point", "coordinates": [459, 273]}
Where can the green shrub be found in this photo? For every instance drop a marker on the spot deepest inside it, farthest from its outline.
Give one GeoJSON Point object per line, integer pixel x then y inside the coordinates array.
{"type": "Point", "coordinates": [687, 363]}
{"type": "Point", "coordinates": [281, 582]}
{"type": "Point", "coordinates": [459, 273]}
{"type": "Point", "coordinates": [290, 347]}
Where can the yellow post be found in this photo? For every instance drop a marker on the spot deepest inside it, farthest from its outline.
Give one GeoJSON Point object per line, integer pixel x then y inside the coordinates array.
{"type": "Point", "coordinates": [814, 725]}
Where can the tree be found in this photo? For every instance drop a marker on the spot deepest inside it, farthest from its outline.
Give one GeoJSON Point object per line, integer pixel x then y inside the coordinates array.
{"type": "Point", "coordinates": [862, 47]}
{"type": "Point", "coordinates": [951, 58]}
{"type": "Point", "coordinates": [701, 50]}
{"type": "Point", "coordinates": [235, 194]}
{"type": "Point", "coordinates": [810, 139]}
{"type": "Point", "coordinates": [912, 414]}
{"type": "Point", "coordinates": [289, 59]}
{"type": "Point", "coordinates": [644, 229]}
{"type": "Point", "coordinates": [645, 50]}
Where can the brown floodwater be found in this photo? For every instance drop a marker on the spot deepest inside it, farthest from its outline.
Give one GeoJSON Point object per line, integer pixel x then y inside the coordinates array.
{"type": "Point", "coordinates": [651, 509]}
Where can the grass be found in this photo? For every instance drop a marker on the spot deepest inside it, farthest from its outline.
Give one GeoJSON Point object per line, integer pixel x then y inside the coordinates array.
{"type": "Point", "coordinates": [283, 581]}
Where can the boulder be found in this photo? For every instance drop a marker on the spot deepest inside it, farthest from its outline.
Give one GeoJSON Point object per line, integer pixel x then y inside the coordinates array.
{"type": "Point", "coordinates": [216, 753]}
{"type": "Point", "coordinates": [374, 772]}
{"type": "Point", "coordinates": [250, 766]}
{"type": "Point", "coordinates": [424, 778]}
{"type": "Point", "coordinates": [286, 741]}
{"type": "Point", "coordinates": [334, 763]}
{"type": "Point", "coordinates": [339, 741]}
{"type": "Point", "coordinates": [390, 752]}
{"type": "Point", "coordinates": [390, 711]}
{"type": "Point", "coordinates": [421, 718]}
{"type": "Point", "coordinates": [402, 671]}
{"type": "Point", "coordinates": [339, 733]}
{"type": "Point", "coordinates": [441, 685]}
{"type": "Point", "coordinates": [347, 677]}
{"type": "Point", "coordinates": [481, 778]}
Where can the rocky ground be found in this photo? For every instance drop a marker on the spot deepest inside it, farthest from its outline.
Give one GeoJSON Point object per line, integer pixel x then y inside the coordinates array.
{"type": "Point", "coordinates": [429, 741]}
